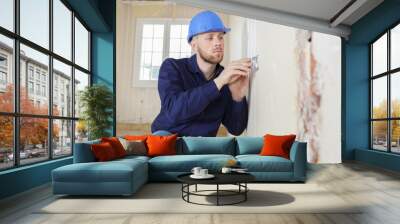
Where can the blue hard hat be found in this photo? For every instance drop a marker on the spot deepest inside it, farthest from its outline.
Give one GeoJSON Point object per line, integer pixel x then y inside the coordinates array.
{"type": "Point", "coordinates": [206, 21]}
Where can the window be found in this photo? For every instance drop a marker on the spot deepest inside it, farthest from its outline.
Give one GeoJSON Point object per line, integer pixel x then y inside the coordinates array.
{"type": "Point", "coordinates": [43, 90]}
{"type": "Point", "coordinates": [7, 14]}
{"type": "Point", "coordinates": [30, 72]}
{"type": "Point", "coordinates": [6, 142]}
{"type": "Point", "coordinates": [81, 81]}
{"type": "Point", "coordinates": [62, 137]}
{"type": "Point", "coordinates": [81, 45]}
{"type": "Point", "coordinates": [6, 73]}
{"type": "Point", "coordinates": [45, 131]}
{"type": "Point", "coordinates": [37, 89]}
{"type": "Point", "coordinates": [37, 75]}
{"type": "Point", "coordinates": [63, 73]}
{"type": "Point", "coordinates": [34, 21]}
{"type": "Point", "coordinates": [385, 92]}
{"type": "Point", "coordinates": [179, 47]}
{"type": "Point", "coordinates": [3, 78]}
{"type": "Point", "coordinates": [3, 61]}
{"type": "Point", "coordinates": [30, 87]}
{"type": "Point", "coordinates": [157, 39]}
{"type": "Point", "coordinates": [62, 29]}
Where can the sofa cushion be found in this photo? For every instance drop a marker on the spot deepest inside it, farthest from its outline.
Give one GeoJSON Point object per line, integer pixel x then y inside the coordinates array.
{"type": "Point", "coordinates": [111, 171]}
{"type": "Point", "coordinates": [257, 163]}
{"type": "Point", "coordinates": [134, 147]}
{"type": "Point", "coordinates": [185, 163]}
{"type": "Point", "coordinates": [135, 137]}
{"type": "Point", "coordinates": [103, 152]}
{"type": "Point", "coordinates": [161, 145]}
{"type": "Point", "coordinates": [116, 145]}
{"type": "Point", "coordinates": [277, 145]}
{"type": "Point", "coordinates": [249, 145]}
{"type": "Point", "coordinates": [208, 145]}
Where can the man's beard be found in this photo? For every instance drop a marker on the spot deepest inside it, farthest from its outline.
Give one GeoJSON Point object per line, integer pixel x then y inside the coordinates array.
{"type": "Point", "coordinates": [209, 58]}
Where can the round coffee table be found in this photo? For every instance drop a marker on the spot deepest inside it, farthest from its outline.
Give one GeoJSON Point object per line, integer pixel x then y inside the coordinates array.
{"type": "Point", "coordinates": [238, 179]}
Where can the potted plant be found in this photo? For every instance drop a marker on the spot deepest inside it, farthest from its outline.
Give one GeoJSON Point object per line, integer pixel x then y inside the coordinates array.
{"type": "Point", "coordinates": [96, 102]}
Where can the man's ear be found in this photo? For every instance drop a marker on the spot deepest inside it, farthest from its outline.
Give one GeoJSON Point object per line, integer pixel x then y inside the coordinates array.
{"type": "Point", "coordinates": [193, 45]}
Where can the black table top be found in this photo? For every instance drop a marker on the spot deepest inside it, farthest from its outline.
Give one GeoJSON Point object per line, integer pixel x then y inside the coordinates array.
{"type": "Point", "coordinates": [220, 178]}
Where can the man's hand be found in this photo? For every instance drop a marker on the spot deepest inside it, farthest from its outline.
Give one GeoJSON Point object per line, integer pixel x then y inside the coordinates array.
{"type": "Point", "coordinates": [234, 72]}
{"type": "Point", "coordinates": [239, 88]}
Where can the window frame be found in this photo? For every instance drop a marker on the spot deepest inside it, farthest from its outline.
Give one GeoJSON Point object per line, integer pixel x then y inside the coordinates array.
{"type": "Point", "coordinates": [388, 74]}
{"type": "Point", "coordinates": [167, 22]}
{"type": "Point", "coordinates": [16, 114]}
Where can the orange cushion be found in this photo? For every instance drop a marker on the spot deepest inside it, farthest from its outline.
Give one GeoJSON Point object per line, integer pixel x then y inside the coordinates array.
{"type": "Point", "coordinates": [161, 145]}
{"type": "Point", "coordinates": [116, 145]}
{"type": "Point", "coordinates": [103, 151]}
{"type": "Point", "coordinates": [135, 137]}
{"type": "Point", "coordinates": [277, 145]}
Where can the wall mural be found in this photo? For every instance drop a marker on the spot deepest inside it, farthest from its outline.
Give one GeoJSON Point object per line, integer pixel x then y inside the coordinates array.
{"type": "Point", "coordinates": [309, 94]}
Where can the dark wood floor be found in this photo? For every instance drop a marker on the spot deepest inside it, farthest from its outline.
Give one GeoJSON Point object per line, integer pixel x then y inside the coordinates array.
{"type": "Point", "coordinates": [354, 182]}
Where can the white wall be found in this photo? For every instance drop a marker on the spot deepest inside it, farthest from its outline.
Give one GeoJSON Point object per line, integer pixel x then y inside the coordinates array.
{"type": "Point", "coordinates": [275, 90]}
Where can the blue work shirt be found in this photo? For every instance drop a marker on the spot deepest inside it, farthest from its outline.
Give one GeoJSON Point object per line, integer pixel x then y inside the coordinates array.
{"type": "Point", "coordinates": [191, 105]}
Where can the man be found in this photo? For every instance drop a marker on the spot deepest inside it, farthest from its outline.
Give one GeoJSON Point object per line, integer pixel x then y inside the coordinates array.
{"type": "Point", "coordinates": [197, 94]}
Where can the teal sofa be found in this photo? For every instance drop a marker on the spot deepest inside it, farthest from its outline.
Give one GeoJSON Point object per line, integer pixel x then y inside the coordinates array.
{"type": "Point", "coordinates": [125, 176]}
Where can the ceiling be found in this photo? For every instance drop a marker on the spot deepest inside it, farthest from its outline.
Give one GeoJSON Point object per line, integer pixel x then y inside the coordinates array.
{"type": "Point", "coordinates": [319, 9]}
{"type": "Point", "coordinates": [326, 16]}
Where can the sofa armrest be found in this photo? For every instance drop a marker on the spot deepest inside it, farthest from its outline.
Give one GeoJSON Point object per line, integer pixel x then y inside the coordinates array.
{"type": "Point", "coordinates": [298, 155]}
{"type": "Point", "coordinates": [83, 152]}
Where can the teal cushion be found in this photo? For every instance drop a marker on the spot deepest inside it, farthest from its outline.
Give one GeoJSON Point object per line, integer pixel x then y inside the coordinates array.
{"type": "Point", "coordinates": [133, 157]}
{"type": "Point", "coordinates": [249, 145]}
{"type": "Point", "coordinates": [83, 152]}
{"type": "Point", "coordinates": [111, 171]}
{"type": "Point", "coordinates": [257, 163]}
{"type": "Point", "coordinates": [185, 163]}
{"type": "Point", "coordinates": [208, 145]}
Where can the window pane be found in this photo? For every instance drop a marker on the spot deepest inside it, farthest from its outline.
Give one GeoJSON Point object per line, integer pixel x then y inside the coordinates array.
{"type": "Point", "coordinates": [158, 31]}
{"type": "Point", "coordinates": [7, 14]}
{"type": "Point", "coordinates": [379, 97]}
{"type": "Point", "coordinates": [156, 59]}
{"type": "Point", "coordinates": [33, 139]}
{"type": "Point", "coordinates": [81, 45]}
{"type": "Point", "coordinates": [35, 21]}
{"type": "Point", "coordinates": [6, 142]}
{"type": "Point", "coordinates": [147, 44]}
{"type": "Point", "coordinates": [62, 138]}
{"type": "Point", "coordinates": [175, 31]}
{"type": "Point", "coordinates": [154, 73]}
{"type": "Point", "coordinates": [184, 45]}
{"type": "Point", "coordinates": [379, 55]}
{"type": "Point", "coordinates": [32, 61]}
{"type": "Point", "coordinates": [147, 59]}
{"type": "Point", "coordinates": [174, 45]}
{"type": "Point", "coordinates": [147, 30]}
{"type": "Point", "coordinates": [379, 135]}
{"type": "Point", "coordinates": [62, 29]}
{"type": "Point", "coordinates": [81, 131]}
{"type": "Point", "coordinates": [395, 136]}
{"type": "Point", "coordinates": [6, 74]}
{"type": "Point", "coordinates": [184, 31]}
{"type": "Point", "coordinates": [158, 45]}
{"type": "Point", "coordinates": [81, 81]}
{"type": "Point", "coordinates": [62, 89]}
{"type": "Point", "coordinates": [395, 47]}
{"type": "Point", "coordinates": [395, 94]}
